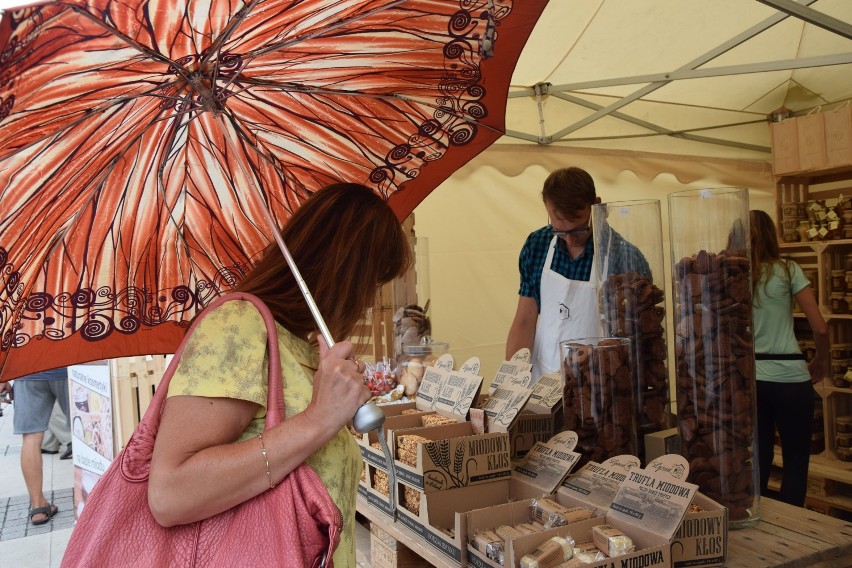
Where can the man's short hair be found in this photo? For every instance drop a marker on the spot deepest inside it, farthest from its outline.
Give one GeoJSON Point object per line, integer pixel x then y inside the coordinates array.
{"type": "Point", "coordinates": [569, 190]}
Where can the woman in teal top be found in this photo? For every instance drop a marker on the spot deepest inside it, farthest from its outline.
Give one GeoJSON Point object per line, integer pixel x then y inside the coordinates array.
{"type": "Point", "coordinates": [785, 397]}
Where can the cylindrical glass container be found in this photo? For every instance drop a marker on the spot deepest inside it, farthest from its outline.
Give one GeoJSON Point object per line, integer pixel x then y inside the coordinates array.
{"type": "Point", "coordinates": [714, 346]}
{"type": "Point", "coordinates": [411, 295]}
{"type": "Point", "coordinates": [597, 397]}
{"type": "Point", "coordinates": [629, 267]}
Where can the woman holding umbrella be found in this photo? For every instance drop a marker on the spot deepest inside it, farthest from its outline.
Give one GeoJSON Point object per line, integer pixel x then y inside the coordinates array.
{"type": "Point", "coordinates": [209, 455]}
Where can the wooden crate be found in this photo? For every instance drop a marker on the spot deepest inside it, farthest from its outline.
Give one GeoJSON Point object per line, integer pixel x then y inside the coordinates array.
{"type": "Point", "coordinates": [387, 552]}
{"type": "Point", "coordinates": [134, 381]}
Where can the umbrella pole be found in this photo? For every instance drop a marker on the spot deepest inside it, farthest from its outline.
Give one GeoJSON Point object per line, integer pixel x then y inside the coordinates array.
{"type": "Point", "coordinates": [369, 416]}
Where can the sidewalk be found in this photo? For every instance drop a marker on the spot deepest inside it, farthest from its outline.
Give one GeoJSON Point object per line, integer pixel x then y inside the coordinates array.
{"type": "Point", "coordinates": [23, 545]}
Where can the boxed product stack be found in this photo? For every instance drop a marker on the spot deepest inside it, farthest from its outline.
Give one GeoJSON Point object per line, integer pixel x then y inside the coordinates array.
{"type": "Point", "coordinates": [422, 412]}
{"type": "Point", "coordinates": [443, 466]}
{"type": "Point", "coordinates": [637, 528]}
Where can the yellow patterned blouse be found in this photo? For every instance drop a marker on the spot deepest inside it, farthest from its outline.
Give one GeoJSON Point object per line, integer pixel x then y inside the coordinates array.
{"type": "Point", "coordinates": [226, 357]}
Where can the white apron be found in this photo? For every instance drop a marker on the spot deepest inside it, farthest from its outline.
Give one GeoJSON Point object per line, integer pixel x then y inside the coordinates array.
{"type": "Point", "coordinates": [569, 310]}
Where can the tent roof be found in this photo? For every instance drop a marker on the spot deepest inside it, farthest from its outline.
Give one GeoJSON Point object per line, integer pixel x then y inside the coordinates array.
{"type": "Point", "coordinates": [678, 76]}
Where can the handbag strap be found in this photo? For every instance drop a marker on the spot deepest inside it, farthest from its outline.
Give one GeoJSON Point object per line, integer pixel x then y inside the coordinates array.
{"type": "Point", "coordinates": [135, 461]}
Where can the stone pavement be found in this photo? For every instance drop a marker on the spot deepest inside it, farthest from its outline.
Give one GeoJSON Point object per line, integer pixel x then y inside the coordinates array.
{"type": "Point", "coordinates": [23, 545]}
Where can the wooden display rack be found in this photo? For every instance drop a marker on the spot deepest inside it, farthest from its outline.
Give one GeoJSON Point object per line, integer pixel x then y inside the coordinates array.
{"type": "Point", "coordinates": [830, 479]}
{"type": "Point", "coordinates": [786, 536]}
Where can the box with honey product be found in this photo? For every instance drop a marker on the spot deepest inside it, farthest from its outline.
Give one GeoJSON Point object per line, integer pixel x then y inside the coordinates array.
{"type": "Point", "coordinates": [638, 526]}
{"type": "Point", "coordinates": [440, 517]}
{"type": "Point", "coordinates": [374, 487]}
{"type": "Point", "coordinates": [438, 458]}
{"type": "Point", "coordinates": [702, 538]}
{"type": "Point", "coordinates": [440, 383]}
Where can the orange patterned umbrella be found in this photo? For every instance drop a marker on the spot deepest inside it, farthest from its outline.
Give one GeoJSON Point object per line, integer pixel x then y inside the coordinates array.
{"type": "Point", "coordinates": [141, 142]}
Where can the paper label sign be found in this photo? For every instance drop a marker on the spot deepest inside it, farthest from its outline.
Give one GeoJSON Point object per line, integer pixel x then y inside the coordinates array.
{"type": "Point", "coordinates": [597, 483]}
{"type": "Point", "coordinates": [546, 393]}
{"type": "Point", "coordinates": [503, 407]}
{"type": "Point", "coordinates": [471, 366]}
{"type": "Point", "coordinates": [430, 387]}
{"type": "Point", "coordinates": [655, 498]}
{"type": "Point", "coordinates": [547, 463]}
{"type": "Point", "coordinates": [522, 355]}
{"type": "Point", "coordinates": [457, 393]}
{"type": "Point", "coordinates": [509, 369]}
{"type": "Point", "coordinates": [445, 361]}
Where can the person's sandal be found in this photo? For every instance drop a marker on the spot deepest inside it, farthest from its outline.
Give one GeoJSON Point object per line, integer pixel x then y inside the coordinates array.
{"type": "Point", "coordinates": [47, 511]}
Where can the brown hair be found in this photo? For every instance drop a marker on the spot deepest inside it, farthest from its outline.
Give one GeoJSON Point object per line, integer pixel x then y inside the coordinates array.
{"type": "Point", "coordinates": [346, 242]}
{"type": "Point", "coordinates": [764, 248]}
{"type": "Point", "coordinates": [569, 190]}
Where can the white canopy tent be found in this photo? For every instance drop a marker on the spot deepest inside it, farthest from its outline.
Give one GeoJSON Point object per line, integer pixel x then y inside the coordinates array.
{"type": "Point", "coordinates": [651, 97]}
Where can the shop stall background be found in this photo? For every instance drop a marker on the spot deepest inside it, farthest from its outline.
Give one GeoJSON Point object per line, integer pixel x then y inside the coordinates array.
{"type": "Point", "coordinates": [651, 98]}
{"type": "Point", "coordinates": [477, 222]}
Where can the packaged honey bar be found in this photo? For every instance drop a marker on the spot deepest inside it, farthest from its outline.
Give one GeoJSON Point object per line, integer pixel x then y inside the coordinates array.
{"type": "Point", "coordinates": [611, 540]}
{"type": "Point", "coordinates": [550, 553]}
{"type": "Point", "coordinates": [506, 532]}
{"type": "Point", "coordinates": [489, 543]}
{"type": "Point", "coordinates": [529, 528]}
{"type": "Point", "coordinates": [551, 514]}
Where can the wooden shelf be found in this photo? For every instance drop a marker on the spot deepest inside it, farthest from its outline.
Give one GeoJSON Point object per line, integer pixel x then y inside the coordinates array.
{"type": "Point", "coordinates": [829, 479]}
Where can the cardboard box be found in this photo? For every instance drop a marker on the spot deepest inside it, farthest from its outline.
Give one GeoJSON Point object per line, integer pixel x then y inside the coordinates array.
{"type": "Point", "coordinates": [661, 443]}
{"type": "Point", "coordinates": [441, 519]}
{"type": "Point", "coordinates": [442, 390]}
{"type": "Point", "coordinates": [785, 147]}
{"type": "Point", "coordinates": [838, 137]}
{"type": "Point", "coordinates": [376, 457]}
{"type": "Point", "coordinates": [381, 502]}
{"type": "Point", "coordinates": [702, 538]}
{"type": "Point", "coordinates": [454, 457]}
{"type": "Point", "coordinates": [810, 132]}
{"type": "Point", "coordinates": [541, 418]}
{"type": "Point", "coordinates": [648, 507]}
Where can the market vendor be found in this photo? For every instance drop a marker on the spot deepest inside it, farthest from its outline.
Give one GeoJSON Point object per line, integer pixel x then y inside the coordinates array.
{"type": "Point", "coordinates": [558, 294]}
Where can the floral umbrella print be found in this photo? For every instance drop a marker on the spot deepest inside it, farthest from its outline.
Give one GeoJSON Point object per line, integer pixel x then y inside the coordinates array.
{"type": "Point", "coordinates": [144, 144]}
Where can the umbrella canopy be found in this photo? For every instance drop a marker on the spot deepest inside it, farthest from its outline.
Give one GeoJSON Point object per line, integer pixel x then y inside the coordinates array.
{"type": "Point", "coordinates": [142, 143]}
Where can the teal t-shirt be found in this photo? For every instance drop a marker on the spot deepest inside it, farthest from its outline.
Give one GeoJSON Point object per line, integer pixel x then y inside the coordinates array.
{"type": "Point", "coordinates": [773, 323]}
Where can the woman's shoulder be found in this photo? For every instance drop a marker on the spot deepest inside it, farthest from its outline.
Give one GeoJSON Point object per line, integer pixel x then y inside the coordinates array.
{"type": "Point", "coordinates": [233, 312]}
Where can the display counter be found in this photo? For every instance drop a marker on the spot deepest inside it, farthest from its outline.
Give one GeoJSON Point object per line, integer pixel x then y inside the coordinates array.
{"type": "Point", "coordinates": [785, 536]}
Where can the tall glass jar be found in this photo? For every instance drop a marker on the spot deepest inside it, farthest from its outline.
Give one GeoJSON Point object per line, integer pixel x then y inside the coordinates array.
{"type": "Point", "coordinates": [597, 399]}
{"type": "Point", "coordinates": [411, 301]}
{"type": "Point", "coordinates": [629, 267]}
{"type": "Point", "coordinates": [714, 346]}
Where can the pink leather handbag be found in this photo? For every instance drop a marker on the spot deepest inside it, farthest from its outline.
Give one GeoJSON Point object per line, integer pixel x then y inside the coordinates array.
{"type": "Point", "coordinates": [295, 524]}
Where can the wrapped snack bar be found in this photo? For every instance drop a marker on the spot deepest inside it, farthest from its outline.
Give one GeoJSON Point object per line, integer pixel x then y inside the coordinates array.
{"type": "Point", "coordinates": [549, 554]}
{"type": "Point", "coordinates": [611, 541]}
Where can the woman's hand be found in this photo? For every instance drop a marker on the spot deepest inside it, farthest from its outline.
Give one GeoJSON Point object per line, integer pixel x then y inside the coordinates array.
{"type": "Point", "coordinates": [339, 388]}
{"type": "Point", "coordinates": [818, 368]}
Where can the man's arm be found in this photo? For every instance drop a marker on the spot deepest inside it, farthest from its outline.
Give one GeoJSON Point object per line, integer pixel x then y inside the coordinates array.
{"type": "Point", "coordinates": [522, 332]}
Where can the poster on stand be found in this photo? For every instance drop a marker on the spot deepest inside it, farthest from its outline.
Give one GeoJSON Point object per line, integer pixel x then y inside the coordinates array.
{"type": "Point", "coordinates": [91, 426]}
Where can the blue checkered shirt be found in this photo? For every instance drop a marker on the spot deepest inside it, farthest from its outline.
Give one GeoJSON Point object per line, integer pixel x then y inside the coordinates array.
{"type": "Point", "coordinates": [624, 257]}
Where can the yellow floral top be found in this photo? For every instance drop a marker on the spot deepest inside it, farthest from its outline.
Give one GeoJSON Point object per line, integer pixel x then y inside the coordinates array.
{"type": "Point", "coordinates": [226, 356]}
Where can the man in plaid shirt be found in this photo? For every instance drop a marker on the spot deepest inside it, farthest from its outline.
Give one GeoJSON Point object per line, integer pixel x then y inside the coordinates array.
{"type": "Point", "coordinates": [558, 294]}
